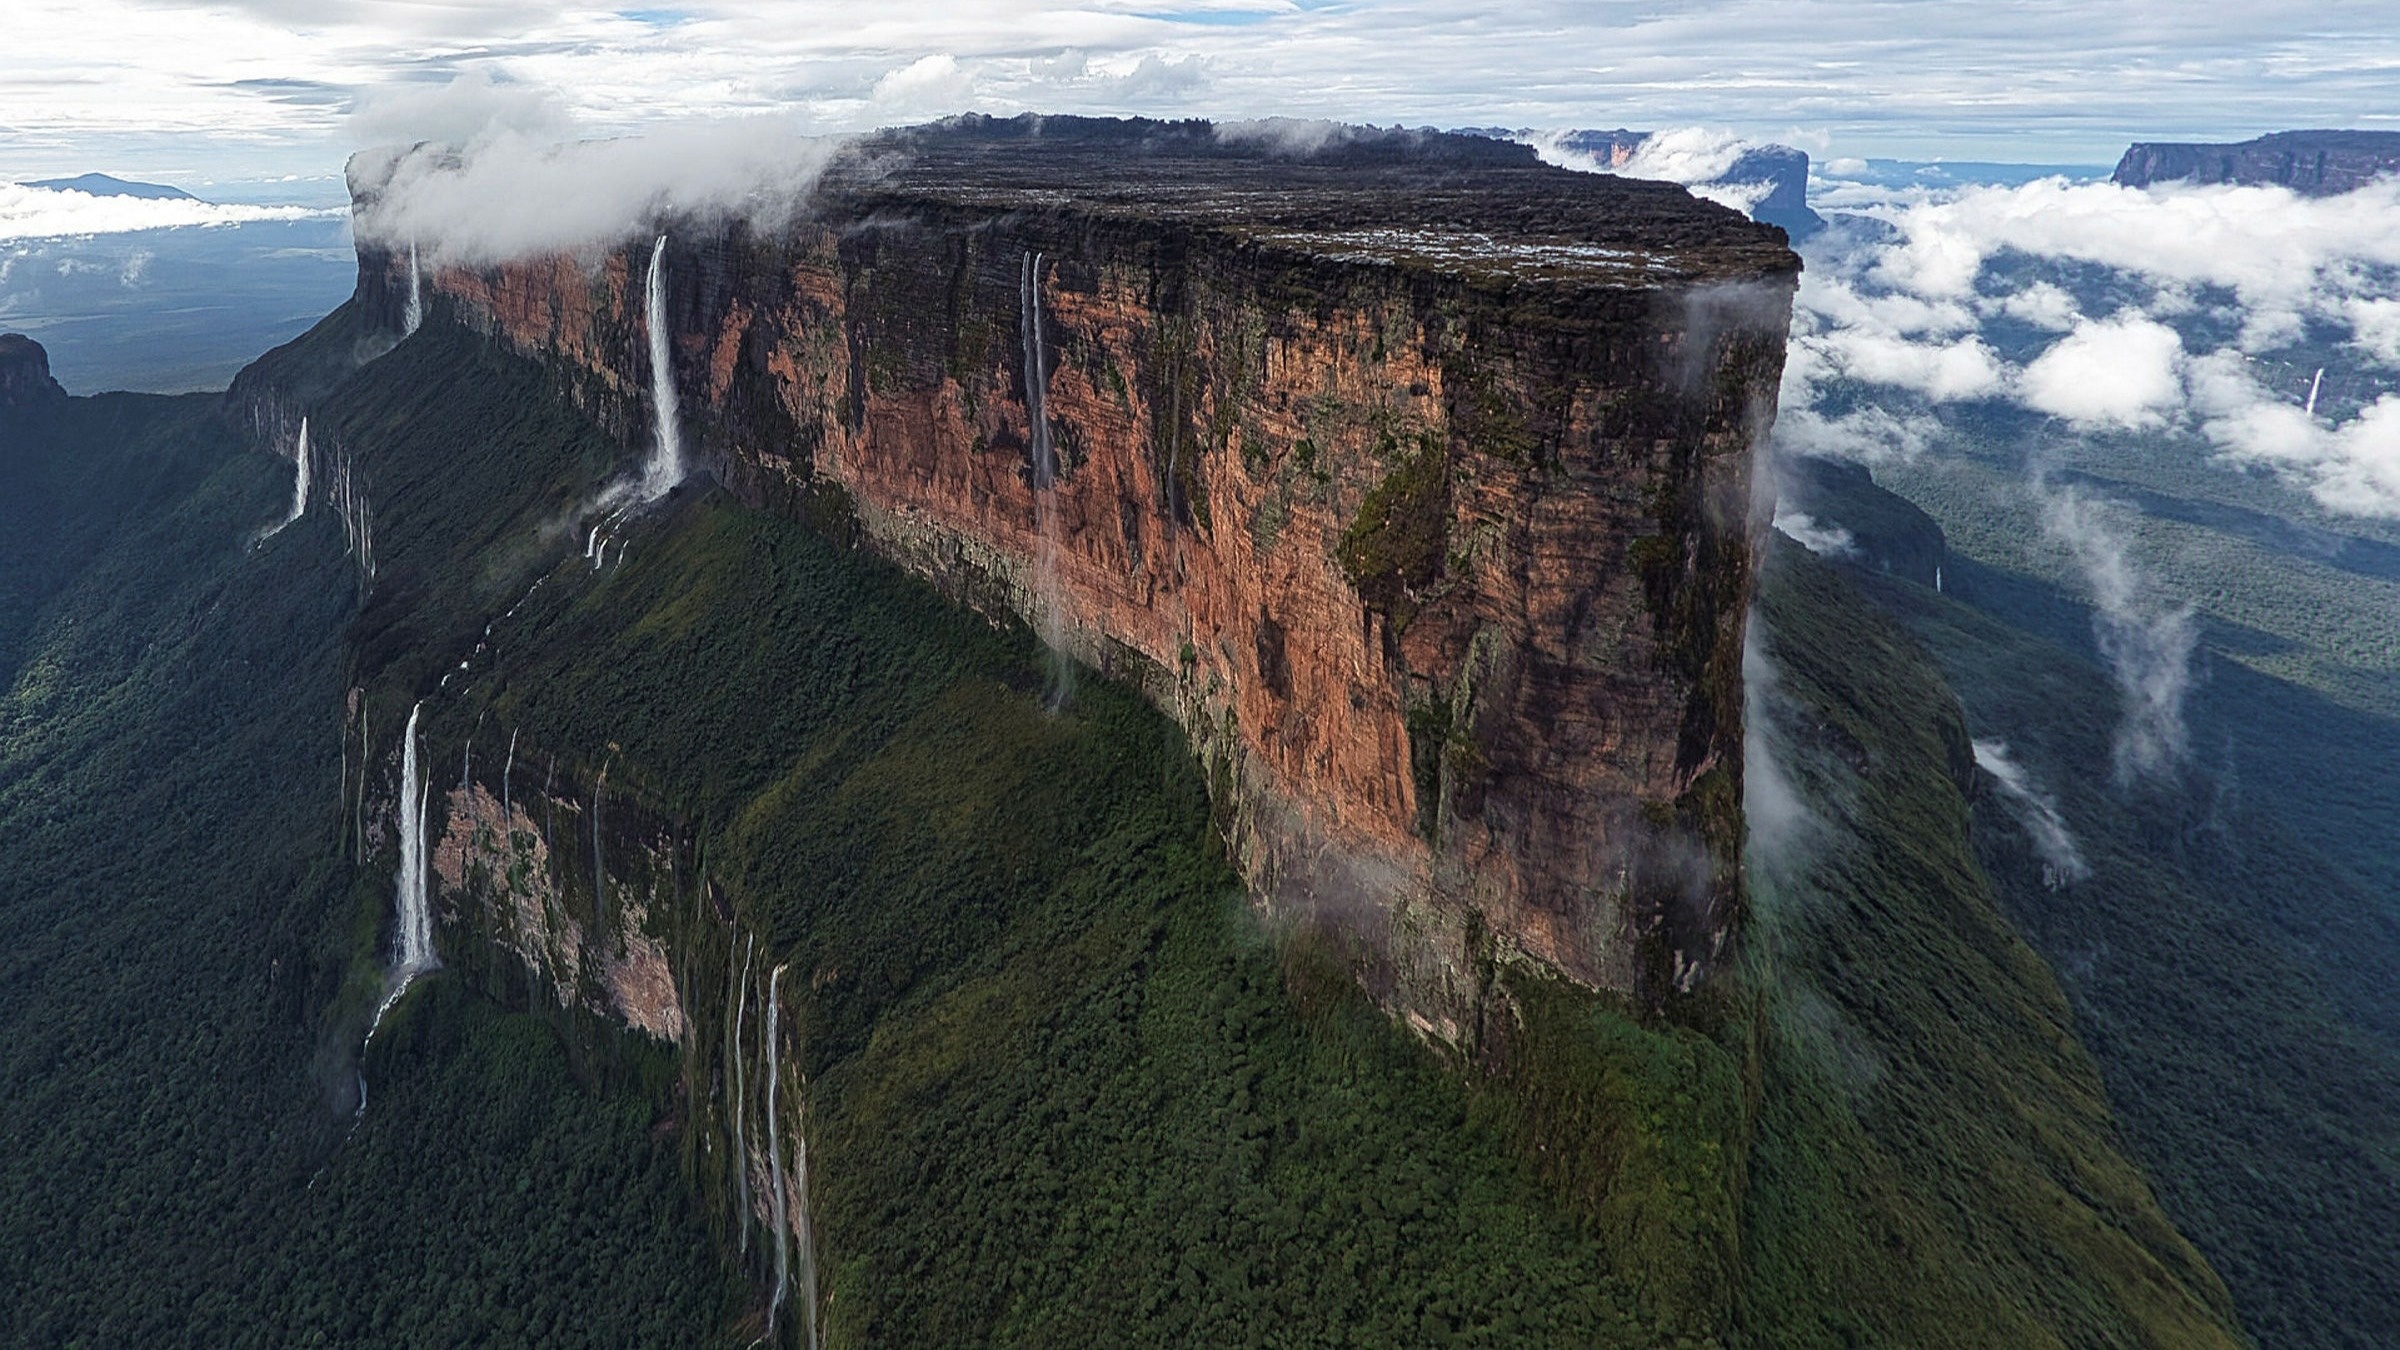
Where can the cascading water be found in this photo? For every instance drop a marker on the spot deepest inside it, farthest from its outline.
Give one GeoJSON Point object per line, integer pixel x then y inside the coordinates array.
{"type": "Point", "coordinates": [783, 1256]}
{"type": "Point", "coordinates": [1037, 373]}
{"type": "Point", "coordinates": [2315, 387]}
{"type": "Point", "coordinates": [414, 316]}
{"type": "Point", "coordinates": [665, 469]}
{"type": "Point", "coordinates": [805, 1230]}
{"type": "Point", "coordinates": [1045, 481]}
{"type": "Point", "coordinates": [414, 915]}
{"type": "Point", "coordinates": [741, 1148]}
{"type": "Point", "coordinates": [300, 458]}
{"type": "Point", "coordinates": [299, 475]}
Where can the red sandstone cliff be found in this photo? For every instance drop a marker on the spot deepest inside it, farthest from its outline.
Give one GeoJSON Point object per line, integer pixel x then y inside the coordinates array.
{"type": "Point", "coordinates": [1416, 485]}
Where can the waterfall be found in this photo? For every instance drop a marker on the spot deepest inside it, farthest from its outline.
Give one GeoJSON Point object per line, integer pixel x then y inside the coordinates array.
{"type": "Point", "coordinates": [806, 1230]}
{"type": "Point", "coordinates": [741, 1150]}
{"type": "Point", "coordinates": [1045, 483]}
{"type": "Point", "coordinates": [414, 316]}
{"type": "Point", "coordinates": [2315, 386]}
{"type": "Point", "coordinates": [665, 469]}
{"type": "Point", "coordinates": [1037, 373]}
{"type": "Point", "coordinates": [300, 459]}
{"type": "Point", "coordinates": [783, 1255]}
{"type": "Point", "coordinates": [599, 864]}
{"type": "Point", "coordinates": [409, 903]}
{"type": "Point", "coordinates": [504, 768]}
{"type": "Point", "coordinates": [416, 917]}
{"type": "Point", "coordinates": [299, 475]}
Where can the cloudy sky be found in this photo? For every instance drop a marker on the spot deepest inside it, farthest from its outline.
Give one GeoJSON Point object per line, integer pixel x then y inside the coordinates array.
{"type": "Point", "coordinates": [202, 91]}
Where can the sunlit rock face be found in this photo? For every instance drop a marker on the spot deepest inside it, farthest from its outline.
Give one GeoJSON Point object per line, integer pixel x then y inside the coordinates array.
{"type": "Point", "coordinates": [25, 373]}
{"type": "Point", "coordinates": [2313, 163]}
{"type": "Point", "coordinates": [1412, 476]}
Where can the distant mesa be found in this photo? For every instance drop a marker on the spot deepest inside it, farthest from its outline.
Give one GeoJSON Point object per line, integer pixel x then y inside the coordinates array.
{"type": "Point", "coordinates": [101, 185]}
{"type": "Point", "coordinates": [2312, 163]}
{"type": "Point", "coordinates": [1781, 168]}
{"type": "Point", "coordinates": [25, 373]}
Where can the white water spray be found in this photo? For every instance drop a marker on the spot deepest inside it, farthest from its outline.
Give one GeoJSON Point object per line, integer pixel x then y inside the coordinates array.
{"type": "Point", "coordinates": [741, 1148]}
{"type": "Point", "coordinates": [409, 901]}
{"type": "Point", "coordinates": [806, 1231]}
{"type": "Point", "coordinates": [665, 469]}
{"type": "Point", "coordinates": [1045, 482]}
{"type": "Point", "coordinates": [783, 1255]}
{"type": "Point", "coordinates": [299, 475]}
{"type": "Point", "coordinates": [1037, 374]}
{"type": "Point", "coordinates": [414, 317]}
{"type": "Point", "coordinates": [2315, 387]}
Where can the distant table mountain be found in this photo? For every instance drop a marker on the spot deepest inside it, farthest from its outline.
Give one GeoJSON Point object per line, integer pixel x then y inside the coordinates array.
{"type": "Point", "coordinates": [1782, 167]}
{"type": "Point", "coordinates": [2315, 163]}
{"type": "Point", "coordinates": [101, 185]}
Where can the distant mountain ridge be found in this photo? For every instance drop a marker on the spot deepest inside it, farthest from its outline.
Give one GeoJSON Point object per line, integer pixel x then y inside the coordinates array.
{"type": "Point", "coordinates": [2313, 163]}
{"type": "Point", "coordinates": [101, 185]}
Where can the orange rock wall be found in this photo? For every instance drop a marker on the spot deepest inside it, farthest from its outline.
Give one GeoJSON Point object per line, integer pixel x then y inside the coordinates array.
{"type": "Point", "coordinates": [1446, 580]}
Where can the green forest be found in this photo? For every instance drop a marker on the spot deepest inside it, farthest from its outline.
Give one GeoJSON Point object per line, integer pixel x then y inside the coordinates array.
{"type": "Point", "coordinates": [1064, 1086]}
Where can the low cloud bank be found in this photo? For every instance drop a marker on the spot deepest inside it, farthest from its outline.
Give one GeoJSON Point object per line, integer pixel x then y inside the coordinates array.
{"type": "Point", "coordinates": [495, 174]}
{"type": "Point", "coordinates": [2176, 312]}
{"type": "Point", "coordinates": [46, 213]}
{"type": "Point", "coordinates": [1698, 158]}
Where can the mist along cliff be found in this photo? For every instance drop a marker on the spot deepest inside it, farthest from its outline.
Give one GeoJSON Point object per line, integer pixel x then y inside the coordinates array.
{"type": "Point", "coordinates": [1412, 478]}
{"type": "Point", "coordinates": [2313, 163]}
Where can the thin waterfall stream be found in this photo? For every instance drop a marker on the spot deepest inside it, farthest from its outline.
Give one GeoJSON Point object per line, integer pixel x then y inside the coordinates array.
{"type": "Point", "coordinates": [413, 317]}
{"type": "Point", "coordinates": [1045, 483]}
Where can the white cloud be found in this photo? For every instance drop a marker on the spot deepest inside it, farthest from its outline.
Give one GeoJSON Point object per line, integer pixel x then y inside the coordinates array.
{"type": "Point", "coordinates": [2278, 252]}
{"type": "Point", "coordinates": [1821, 538]}
{"type": "Point", "coordinates": [510, 196]}
{"type": "Point", "coordinates": [2037, 811]}
{"type": "Point", "coordinates": [2146, 640]}
{"type": "Point", "coordinates": [472, 108]}
{"type": "Point", "coordinates": [1870, 435]}
{"type": "Point", "coordinates": [2375, 326]}
{"type": "Point", "coordinates": [2351, 467]}
{"type": "Point", "coordinates": [266, 83]}
{"type": "Point", "coordinates": [41, 213]}
{"type": "Point", "coordinates": [930, 85]}
{"type": "Point", "coordinates": [1942, 372]}
{"type": "Point", "coordinates": [2042, 305]}
{"type": "Point", "coordinates": [1687, 155]}
{"type": "Point", "coordinates": [2120, 372]}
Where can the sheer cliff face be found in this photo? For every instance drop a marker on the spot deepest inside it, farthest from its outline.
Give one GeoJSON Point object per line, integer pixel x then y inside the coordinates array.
{"type": "Point", "coordinates": [1418, 490]}
{"type": "Point", "coordinates": [25, 373]}
{"type": "Point", "coordinates": [2312, 163]}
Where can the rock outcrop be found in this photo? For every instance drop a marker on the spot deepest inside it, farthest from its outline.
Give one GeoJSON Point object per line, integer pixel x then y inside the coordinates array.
{"type": "Point", "coordinates": [25, 373]}
{"type": "Point", "coordinates": [1413, 477]}
{"type": "Point", "coordinates": [2313, 163]}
